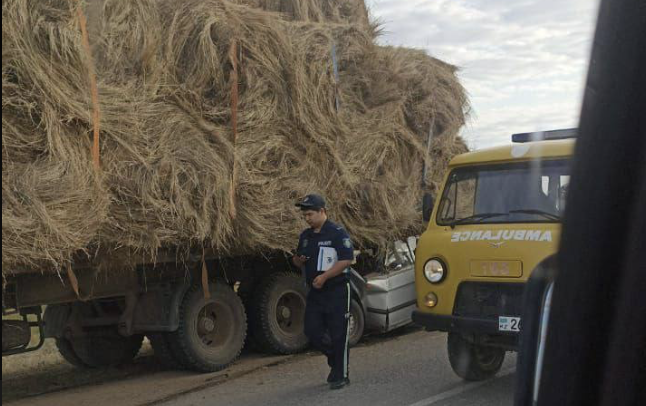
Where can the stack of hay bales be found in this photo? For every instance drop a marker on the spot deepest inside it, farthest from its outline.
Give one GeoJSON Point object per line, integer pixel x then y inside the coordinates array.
{"type": "Point", "coordinates": [322, 11]}
{"type": "Point", "coordinates": [174, 174]}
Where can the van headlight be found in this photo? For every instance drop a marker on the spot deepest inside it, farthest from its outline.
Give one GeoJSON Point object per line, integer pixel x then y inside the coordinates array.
{"type": "Point", "coordinates": [434, 270]}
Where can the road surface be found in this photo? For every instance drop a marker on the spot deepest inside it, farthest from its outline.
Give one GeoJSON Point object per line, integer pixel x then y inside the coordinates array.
{"type": "Point", "coordinates": [409, 368]}
{"type": "Point", "coordinates": [412, 369]}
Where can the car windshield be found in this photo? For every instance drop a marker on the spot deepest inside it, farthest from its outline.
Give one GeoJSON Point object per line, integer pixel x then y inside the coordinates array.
{"type": "Point", "coordinates": [506, 193]}
{"type": "Point", "coordinates": [400, 254]}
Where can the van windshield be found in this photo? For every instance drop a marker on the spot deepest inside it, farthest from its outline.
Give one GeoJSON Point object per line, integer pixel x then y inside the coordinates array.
{"type": "Point", "coordinates": [526, 192]}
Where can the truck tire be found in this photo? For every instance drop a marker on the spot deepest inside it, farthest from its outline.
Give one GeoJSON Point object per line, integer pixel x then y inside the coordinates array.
{"type": "Point", "coordinates": [211, 331]}
{"type": "Point", "coordinates": [106, 348]}
{"type": "Point", "coordinates": [357, 322]}
{"type": "Point", "coordinates": [277, 315]}
{"type": "Point", "coordinates": [55, 319]}
{"type": "Point", "coordinates": [473, 362]}
{"type": "Point", "coordinates": [64, 347]}
{"type": "Point", "coordinates": [163, 351]}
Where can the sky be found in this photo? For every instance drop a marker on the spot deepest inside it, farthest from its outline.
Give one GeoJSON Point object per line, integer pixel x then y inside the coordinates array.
{"type": "Point", "coordinates": [522, 62]}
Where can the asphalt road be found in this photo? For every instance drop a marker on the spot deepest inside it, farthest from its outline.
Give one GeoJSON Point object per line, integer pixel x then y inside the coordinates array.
{"type": "Point", "coordinates": [406, 369]}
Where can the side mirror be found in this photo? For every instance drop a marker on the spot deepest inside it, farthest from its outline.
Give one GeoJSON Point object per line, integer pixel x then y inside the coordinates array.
{"type": "Point", "coordinates": [412, 245]}
{"type": "Point", "coordinates": [427, 207]}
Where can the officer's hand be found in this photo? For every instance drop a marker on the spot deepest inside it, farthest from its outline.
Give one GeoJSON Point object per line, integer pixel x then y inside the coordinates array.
{"type": "Point", "coordinates": [319, 281]}
{"type": "Point", "coordinates": [299, 260]}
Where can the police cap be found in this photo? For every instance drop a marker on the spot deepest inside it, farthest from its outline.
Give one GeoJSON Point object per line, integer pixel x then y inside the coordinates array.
{"type": "Point", "coordinates": [311, 202]}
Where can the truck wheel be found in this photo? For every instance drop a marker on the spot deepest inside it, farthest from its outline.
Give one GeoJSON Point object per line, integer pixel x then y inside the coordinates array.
{"type": "Point", "coordinates": [64, 347]}
{"type": "Point", "coordinates": [163, 351]}
{"type": "Point", "coordinates": [357, 322]}
{"type": "Point", "coordinates": [211, 331]}
{"type": "Point", "coordinates": [55, 318]}
{"type": "Point", "coordinates": [277, 316]}
{"type": "Point", "coordinates": [106, 348]}
{"type": "Point", "coordinates": [473, 362]}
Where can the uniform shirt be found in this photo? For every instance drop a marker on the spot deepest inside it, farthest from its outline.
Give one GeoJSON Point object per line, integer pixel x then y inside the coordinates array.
{"type": "Point", "coordinates": [323, 249]}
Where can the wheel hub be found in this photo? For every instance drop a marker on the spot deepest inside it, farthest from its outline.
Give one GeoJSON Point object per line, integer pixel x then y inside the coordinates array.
{"type": "Point", "coordinates": [214, 324]}
{"type": "Point", "coordinates": [290, 313]}
{"type": "Point", "coordinates": [486, 356]}
{"type": "Point", "coordinates": [285, 312]}
{"type": "Point", "coordinates": [207, 325]}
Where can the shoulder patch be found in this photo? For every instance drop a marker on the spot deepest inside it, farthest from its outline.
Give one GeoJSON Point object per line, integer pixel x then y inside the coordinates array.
{"type": "Point", "coordinates": [347, 243]}
{"type": "Point", "coordinates": [305, 242]}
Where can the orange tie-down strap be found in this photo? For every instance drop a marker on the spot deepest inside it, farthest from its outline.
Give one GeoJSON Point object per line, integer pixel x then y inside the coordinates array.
{"type": "Point", "coordinates": [73, 280]}
{"type": "Point", "coordinates": [94, 89]}
{"type": "Point", "coordinates": [75, 283]}
{"type": "Point", "coordinates": [234, 125]}
{"type": "Point", "coordinates": [205, 279]}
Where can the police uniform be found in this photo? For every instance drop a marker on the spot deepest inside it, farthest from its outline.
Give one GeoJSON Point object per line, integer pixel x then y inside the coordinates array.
{"type": "Point", "coordinates": [328, 308]}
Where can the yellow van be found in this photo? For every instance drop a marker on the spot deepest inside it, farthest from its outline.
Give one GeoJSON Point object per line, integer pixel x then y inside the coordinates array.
{"type": "Point", "coordinates": [497, 217]}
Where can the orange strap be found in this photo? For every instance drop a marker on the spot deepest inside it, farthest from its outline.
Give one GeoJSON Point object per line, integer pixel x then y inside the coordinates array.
{"type": "Point", "coordinates": [234, 125]}
{"type": "Point", "coordinates": [73, 280]}
{"type": "Point", "coordinates": [96, 114]}
{"type": "Point", "coordinates": [205, 278]}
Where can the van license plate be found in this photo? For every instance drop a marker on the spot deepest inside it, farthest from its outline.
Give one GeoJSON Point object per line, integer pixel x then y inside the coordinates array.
{"type": "Point", "coordinates": [506, 323]}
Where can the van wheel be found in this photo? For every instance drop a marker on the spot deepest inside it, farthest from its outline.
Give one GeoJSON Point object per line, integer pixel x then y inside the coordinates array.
{"type": "Point", "coordinates": [357, 322]}
{"type": "Point", "coordinates": [211, 331]}
{"type": "Point", "coordinates": [473, 362]}
{"type": "Point", "coordinates": [106, 348]}
{"type": "Point", "coordinates": [277, 315]}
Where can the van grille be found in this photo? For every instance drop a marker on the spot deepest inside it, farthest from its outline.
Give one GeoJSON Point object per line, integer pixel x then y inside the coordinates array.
{"type": "Point", "coordinates": [489, 299]}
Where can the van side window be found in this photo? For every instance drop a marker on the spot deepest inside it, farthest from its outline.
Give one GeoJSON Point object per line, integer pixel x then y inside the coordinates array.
{"type": "Point", "coordinates": [459, 199]}
{"type": "Point", "coordinates": [466, 198]}
{"type": "Point", "coordinates": [554, 187]}
{"type": "Point", "coordinates": [564, 182]}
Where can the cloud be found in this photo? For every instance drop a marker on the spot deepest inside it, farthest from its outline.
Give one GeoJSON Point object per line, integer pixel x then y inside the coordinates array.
{"type": "Point", "coordinates": [523, 62]}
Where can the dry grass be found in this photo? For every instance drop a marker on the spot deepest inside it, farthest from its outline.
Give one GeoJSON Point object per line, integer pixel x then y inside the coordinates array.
{"type": "Point", "coordinates": [327, 11]}
{"type": "Point", "coordinates": [167, 150]}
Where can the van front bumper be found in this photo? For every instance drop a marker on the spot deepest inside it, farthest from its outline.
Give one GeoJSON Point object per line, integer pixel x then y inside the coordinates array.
{"type": "Point", "coordinates": [457, 324]}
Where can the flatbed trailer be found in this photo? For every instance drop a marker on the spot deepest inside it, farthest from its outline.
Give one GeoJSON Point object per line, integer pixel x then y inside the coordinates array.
{"type": "Point", "coordinates": [198, 312]}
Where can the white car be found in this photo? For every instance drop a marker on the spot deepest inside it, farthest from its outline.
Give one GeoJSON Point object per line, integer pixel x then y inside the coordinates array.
{"type": "Point", "coordinates": [387, 296]}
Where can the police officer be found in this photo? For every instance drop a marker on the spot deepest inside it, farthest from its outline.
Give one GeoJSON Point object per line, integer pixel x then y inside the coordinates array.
{"type": "Point", "coordinates": [324, 254]}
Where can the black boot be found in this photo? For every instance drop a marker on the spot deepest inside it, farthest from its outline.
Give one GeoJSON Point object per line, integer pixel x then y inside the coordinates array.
{"type": "Point", "coordinates": [330, 362]}
{"type": "Point", "coordinates": [339, 383]}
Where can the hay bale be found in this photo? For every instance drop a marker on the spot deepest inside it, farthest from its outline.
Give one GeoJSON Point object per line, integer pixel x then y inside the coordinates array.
{"type": "Point", "coordinates": [321, 11]}
{"type": "Point", "coordinates": [168, 155]}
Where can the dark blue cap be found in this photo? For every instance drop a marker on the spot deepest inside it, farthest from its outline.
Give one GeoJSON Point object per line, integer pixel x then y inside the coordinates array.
{"type": "Point", "coordinates": [312, 201]}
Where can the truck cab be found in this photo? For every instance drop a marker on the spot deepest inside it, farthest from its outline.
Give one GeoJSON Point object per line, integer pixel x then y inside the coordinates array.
{"type": "Point", "coordinates": [497, 217]}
